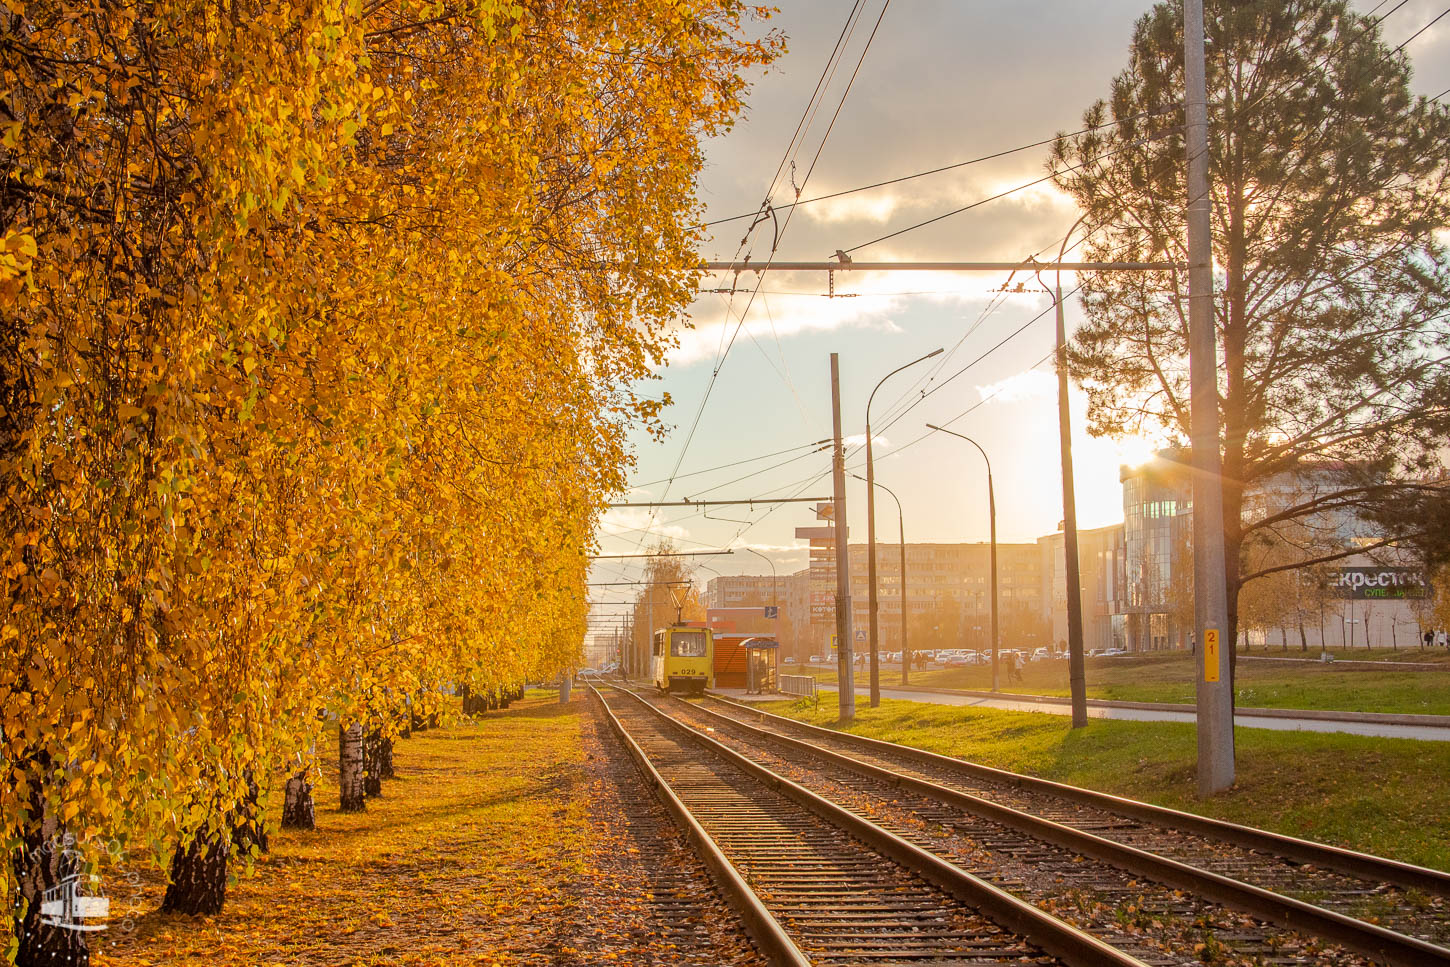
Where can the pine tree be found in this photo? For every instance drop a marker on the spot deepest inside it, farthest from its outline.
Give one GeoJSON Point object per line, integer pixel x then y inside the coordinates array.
{"type": "Point", "coordinates": [1330, 182]}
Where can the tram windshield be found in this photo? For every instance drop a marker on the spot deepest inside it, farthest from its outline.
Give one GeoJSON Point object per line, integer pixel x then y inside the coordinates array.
{"type": "Point", "coordinates": [687, 644]}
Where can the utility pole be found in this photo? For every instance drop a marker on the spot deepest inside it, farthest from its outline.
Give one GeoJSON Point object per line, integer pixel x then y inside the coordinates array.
{"type": "Point", "coordinates": [1076, 674]}
{"type": "Point", "coordinates": [649, 629]}
{"type": "Point", "coordinates": [1210, 599]}
{"type": "Point", "coordinates": [845, 671]}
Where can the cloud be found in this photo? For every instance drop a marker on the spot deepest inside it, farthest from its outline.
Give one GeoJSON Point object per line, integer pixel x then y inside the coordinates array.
{"type": "Point", "coordinates": [776, 549]}
{"type": "Point", "coordinates": [1026, 385]}
{"type": "Point", "coordinates": [629, 521]}
{"type": "Point", "coordinates": [775, 317]}
{"type": "Point", "coordinates": [793, 303]}
{"type": "Point", "coordinates": [859, 440]}
{"type": "Point", "coordinates": [930, 197]}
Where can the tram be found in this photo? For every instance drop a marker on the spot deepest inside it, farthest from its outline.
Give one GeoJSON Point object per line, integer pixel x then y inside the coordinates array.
{"type": "Point", "coordinates": [682, 659]}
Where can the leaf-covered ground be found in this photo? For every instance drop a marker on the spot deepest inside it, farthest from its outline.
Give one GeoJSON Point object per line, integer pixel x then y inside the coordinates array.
{"type": "Point", "coordinates": [524, 838]}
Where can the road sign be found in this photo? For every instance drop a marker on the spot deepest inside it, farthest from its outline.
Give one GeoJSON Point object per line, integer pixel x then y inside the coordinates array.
{"type": "Point", "coordinates": [816, 534]}
{"type": "Point", "coordinates": [860, 634]}
{"type": "Point", "coordinates": [771, 611]}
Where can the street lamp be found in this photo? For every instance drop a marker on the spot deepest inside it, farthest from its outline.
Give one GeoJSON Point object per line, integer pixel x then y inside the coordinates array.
{"type": "Point", "coordinates": [871, 527]}
{"type": "Point", "coordinates": [901, 524]}
{"type": "Point", "coordinates": [992, 511]}
{"type": "Point", "coordinates": [774, 600]}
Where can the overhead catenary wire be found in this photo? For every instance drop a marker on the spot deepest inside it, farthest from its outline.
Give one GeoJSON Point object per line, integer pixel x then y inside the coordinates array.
{"type": "Point", "coordinates": [725, 352]}
{"type": "Point", "coordinates": [950, 167]}
{"type": "Point", "coordinates": [892, 415]}
{"type": "Point", "coordinates": [737, 463]}
{"type": "Point", "coordinates": [801, 126]}
{"type": "Point", "coordinates": [1010, 191]}
{"type": "Point", "coordinates": [1400, 47]}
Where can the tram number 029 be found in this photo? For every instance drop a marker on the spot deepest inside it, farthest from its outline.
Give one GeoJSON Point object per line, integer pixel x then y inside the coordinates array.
{"type": "Point", "coordinates": [682, 659]}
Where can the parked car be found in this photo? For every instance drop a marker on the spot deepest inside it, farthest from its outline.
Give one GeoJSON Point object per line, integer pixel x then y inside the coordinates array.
{"type": "Point", "coordinates": [1041, 654]}
{"type": "Point", "coordinates": [1111, 652]}
{"type": "Point", "coordinates": [816, 659]}
{"type": "Point", "coordinates": [790, 660]}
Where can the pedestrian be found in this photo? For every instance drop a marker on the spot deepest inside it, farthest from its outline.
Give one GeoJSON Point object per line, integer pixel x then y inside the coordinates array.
{"type": "Point", "coordinates": [1429, 638]}
{"type": "Point", "coordinates": [1014, 669]}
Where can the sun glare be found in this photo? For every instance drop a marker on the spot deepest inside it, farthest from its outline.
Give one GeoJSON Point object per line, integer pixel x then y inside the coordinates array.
{"type": "Point", "coordinates": [1134, 451]}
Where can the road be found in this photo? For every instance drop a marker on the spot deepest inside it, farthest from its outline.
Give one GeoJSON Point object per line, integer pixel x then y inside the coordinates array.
{"type": "Point", "coordinates": [1428, 733]}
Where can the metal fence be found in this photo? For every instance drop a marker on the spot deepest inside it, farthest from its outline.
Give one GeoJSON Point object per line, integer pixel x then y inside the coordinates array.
{"type": "Point", "coordinates": [798, 685]}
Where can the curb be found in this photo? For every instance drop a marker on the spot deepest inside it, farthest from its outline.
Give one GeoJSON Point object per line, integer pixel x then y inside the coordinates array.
{"type": "Point", "coordinates": [1356, 664]}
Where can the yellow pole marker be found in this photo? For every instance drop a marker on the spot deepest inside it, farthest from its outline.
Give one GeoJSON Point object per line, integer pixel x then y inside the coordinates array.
{"type": "Point", "coordinates": [1210, 654]}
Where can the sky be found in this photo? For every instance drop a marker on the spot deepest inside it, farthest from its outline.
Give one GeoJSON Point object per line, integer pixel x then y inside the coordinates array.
{"type": "Point", "coordinates": [942, 82]}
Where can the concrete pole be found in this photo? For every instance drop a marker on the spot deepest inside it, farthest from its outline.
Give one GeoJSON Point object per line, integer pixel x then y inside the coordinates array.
{"type": "Point", "coordinates": [845, 673]}
{"type": "Point", "coordinates": [1077, 679]}
{"type": "Point", "coordinates": [1214, 684]}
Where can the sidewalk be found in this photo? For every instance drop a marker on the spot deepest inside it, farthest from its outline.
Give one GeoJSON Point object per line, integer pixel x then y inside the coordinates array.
{"type": "Point", "coordinates": [1431, 728]}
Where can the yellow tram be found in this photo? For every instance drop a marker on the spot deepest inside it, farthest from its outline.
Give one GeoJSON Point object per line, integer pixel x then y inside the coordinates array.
{"type": "Point", "coordinates": [682, 659]}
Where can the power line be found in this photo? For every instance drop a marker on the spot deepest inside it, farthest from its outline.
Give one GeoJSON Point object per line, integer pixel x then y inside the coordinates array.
{"type": "Point", "coordinates": [1003, 194]}
{"type": "Point", "coordinates": [725, 353]}
{"type": "Point", "coordinates": [951, 167]}
{"type": "Point", "coordinates": [1002, 342]}
{"type": "Point", "coordinates": [842, 102]}
{"type": "Point", "coordinates": [737, 463]}
{"type": "Point", "coordinates": [616, 557]}
{"type": "Point", "coordinates": [748, 501]}
{"type": "Point", "coordinates": [724, 350]}
{"type": "Point", "coordinates": [1417, 33]}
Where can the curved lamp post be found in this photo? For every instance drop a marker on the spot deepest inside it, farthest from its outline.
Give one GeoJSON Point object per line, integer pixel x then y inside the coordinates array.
{"type": "Point", "coordinates": [774, 600]}
{"type": "Point", "coordinates": [871, 528]}
{"type": "Point", "coordinates": [992, 511]}
{"type": "Point", "coordinates": [901, 527]}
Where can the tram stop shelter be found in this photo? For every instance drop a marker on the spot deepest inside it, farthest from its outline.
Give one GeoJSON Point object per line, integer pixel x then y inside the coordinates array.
{"type": "Point", "coordinates": [746, 661]}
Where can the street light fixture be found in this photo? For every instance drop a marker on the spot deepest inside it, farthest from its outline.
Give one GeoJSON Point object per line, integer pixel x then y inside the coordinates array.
{"type": "Point", "coordinates": [774, 599]}
{"type": "Point", "coordinates": [992, 511]}
{"type": "Point", "coordinates": [901, 525]}
{"type": "Point", "coordinates": [871, 528]}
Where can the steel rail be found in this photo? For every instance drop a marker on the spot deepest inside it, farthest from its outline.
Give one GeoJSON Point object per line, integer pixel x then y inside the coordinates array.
{"type": "Point", "coordinates": [1350, 862]}
{"type": "Point", "coordinates": [772, 939]}
{"type": "Point", "coordinates": [1056, 937]}
{"type": "Point", "coordinates": [1379, 943]}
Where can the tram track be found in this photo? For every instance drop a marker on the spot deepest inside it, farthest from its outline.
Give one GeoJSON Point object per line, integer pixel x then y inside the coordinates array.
{"type": "Point", "coordinates": [1203, 859]}
{"type": "Point", "coordinates": [819, 884]}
